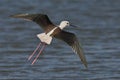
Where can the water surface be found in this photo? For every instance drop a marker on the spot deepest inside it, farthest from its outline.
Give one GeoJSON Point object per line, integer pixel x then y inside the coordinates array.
{"type": "Point", "coordinates": [99, 33]}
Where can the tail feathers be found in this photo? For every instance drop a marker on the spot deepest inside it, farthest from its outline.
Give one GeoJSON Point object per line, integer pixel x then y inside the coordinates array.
{"type": "Point", "coordinates": [45, 38]}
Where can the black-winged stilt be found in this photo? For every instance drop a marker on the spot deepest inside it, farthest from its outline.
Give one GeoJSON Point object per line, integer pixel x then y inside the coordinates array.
{"type": "Point", "coordinates": [51, 31]}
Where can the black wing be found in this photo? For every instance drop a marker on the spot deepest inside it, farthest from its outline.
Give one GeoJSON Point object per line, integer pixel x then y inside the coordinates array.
{"type": "Point", "coordinates": [40, 19]}
{"type": "Point", "coordinates": [72, 41]}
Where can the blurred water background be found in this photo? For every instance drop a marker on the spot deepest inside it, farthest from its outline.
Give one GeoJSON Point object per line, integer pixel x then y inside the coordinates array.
{"type": "Point", "coordinates": [99, 33]}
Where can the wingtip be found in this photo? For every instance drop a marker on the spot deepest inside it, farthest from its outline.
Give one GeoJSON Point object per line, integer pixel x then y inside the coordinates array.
{"type": "Point", "coordinates": [19, 15]}
{"type": "Point", "coordinates": [25, 16]}
{"type": "Point", "coordinates": [86, 65]}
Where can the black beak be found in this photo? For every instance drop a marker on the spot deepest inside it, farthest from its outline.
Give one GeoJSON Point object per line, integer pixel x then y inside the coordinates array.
{"type": "Point", "coordinates": [73, 26]}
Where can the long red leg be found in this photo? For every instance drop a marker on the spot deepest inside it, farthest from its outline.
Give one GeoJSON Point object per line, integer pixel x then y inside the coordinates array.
{"type": "Point", "coordinates": [39, 53]}
{"type": "Point", "coordinates": [34, 51]}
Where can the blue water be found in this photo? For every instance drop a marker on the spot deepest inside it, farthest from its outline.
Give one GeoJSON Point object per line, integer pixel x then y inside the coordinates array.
{"type": "Point", "coordinates": [99, 33]}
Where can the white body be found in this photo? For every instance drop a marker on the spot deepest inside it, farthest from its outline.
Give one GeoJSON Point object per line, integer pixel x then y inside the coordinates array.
{"type": "Point", "coordinates": [46, 38]}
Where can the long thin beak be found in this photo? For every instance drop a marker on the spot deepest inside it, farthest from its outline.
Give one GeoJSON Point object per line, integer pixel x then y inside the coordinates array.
{"type": "Point", "coordinates": [74, 26]}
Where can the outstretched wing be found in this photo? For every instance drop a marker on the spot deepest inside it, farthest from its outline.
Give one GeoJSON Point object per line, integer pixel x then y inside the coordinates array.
{"type": "Point", "coordinates": [40, 19]}
{"type": "Point", "coordinates": [72, 41]}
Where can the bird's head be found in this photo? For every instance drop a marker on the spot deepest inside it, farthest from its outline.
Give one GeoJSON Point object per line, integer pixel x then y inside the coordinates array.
{"type": "Point", "coordinates": [64, 24]}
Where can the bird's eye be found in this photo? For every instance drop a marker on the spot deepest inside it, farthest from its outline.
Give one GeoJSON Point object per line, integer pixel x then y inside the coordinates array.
{"type": "Point", "coordinates": [67, 23]}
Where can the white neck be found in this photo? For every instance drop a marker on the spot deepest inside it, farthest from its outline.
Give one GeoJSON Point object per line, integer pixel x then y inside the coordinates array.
{"type": "Point", "coordinates": [61, 26]}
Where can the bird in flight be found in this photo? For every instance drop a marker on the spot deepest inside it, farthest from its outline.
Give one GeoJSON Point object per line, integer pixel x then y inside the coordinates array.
{"type": "Point", "coordinates": [50, 31]}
